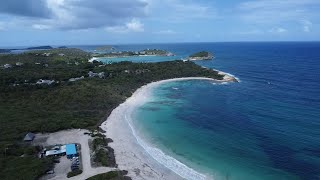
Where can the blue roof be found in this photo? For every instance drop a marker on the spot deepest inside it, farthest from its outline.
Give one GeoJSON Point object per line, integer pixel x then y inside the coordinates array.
{"type": "Point", "coordinates": [71, 149]}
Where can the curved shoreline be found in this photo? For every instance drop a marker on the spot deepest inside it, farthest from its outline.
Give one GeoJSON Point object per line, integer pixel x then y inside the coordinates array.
{"type": "Point", "coordinates": [136, 156]}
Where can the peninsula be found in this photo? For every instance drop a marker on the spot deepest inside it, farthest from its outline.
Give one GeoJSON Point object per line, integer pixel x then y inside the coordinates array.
{"type": "Point", "coordinates": [146, 52]}
{"type": "Point", "coordinates": [52, 90]}
{"type": "Point", "coordinates": [29, 48]}
{"type": "Point", "coordinates": [203, 55]}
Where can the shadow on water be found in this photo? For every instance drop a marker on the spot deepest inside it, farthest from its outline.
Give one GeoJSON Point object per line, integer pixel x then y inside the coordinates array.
{"type": "Point", "coordinates": [285, 158]}
{"type": "Point", "coordinates": [282, 157]}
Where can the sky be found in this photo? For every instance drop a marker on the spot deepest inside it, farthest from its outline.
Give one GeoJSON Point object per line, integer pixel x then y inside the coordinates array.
{"type": "Point", "coordinates": [86, 22]}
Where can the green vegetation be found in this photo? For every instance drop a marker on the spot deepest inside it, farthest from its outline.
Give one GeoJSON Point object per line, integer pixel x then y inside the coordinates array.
{"type": "Point", "coordinates": [158, 52]}
{"type": "Point", "coordinates": [98, 142]}
{"type": "Point", "coordinates": [154, 52]}
{"type": "Point", "coordinates": [74, 173]}
{"type": "Point", "coordinates": [27, 107]}
{"type": "Point", "coordinates": [13, 167]}
{"type": "Point", "coordinates": [114, 175]}
{"type": "Point", "coordinates": [40, 47]}
{"type": "Point", "coordinates": [101, 156]}
{"type": "Point", "coordinates": [201, 54]}
{"type": "Point", "coordinates": [102, 153]}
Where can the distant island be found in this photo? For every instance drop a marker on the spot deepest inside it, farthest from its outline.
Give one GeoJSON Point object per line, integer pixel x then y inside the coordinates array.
{"type": "Point", "coordinates": [203, 55]}
{"type": "Point", "coordinates": [105, 48]}
{"type": "Point", "coordinates": [5, 50]}
{"type": "Point", "coordinates": [29, 48]}
{"type": "Point", "coordinates": [38, 47]}
{"type": "Point", "coordinates": [146, 52]}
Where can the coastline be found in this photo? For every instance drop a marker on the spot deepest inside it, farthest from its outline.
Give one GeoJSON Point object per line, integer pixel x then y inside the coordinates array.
{"type": "Point", "coordinates": [114, 57]}
{"type": "Point", "coordinates": [136, 156]}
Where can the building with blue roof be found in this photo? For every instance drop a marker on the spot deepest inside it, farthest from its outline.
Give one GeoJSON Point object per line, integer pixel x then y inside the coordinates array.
{"type": "Point", "coordinates": [71, 151]}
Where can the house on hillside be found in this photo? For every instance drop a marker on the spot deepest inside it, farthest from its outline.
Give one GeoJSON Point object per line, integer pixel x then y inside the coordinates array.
{"type": "Point", "coordinates": [19, 64]}
{"type": "Point", "coordinates": [6, 66]}
{"type": "Point", "coordinates": [48, 82]}
{"type": "Point", "coordinates": [29, 137]}
{"type": "Point", "coordinates": [100, 75]}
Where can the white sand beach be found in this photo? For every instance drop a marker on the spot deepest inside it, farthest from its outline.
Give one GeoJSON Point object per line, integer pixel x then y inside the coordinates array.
{"type": "Point", "coordinates": [134, 155]}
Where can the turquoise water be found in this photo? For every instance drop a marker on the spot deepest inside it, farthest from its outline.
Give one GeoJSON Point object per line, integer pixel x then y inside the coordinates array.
{"type": "Point", "coordinates": [173, 124]}
{"type": "Point", "coordinates": [265, 127]}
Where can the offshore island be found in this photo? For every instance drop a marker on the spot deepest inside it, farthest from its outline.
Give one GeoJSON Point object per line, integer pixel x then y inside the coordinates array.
{"type": "Point", "coordinates": [54, 100]}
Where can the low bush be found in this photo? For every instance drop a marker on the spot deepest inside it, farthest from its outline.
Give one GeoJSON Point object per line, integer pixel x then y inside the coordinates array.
{"type": "Point", "coordinates": [74, 173]}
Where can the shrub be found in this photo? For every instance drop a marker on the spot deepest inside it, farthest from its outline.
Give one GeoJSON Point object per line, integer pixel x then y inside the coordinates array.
{"type": "Point", "coordinates": [106, 176]}
{"type": "Point", "coordinates": [74, 173]}
{"type": "Point", "coordinates": [101, 156]}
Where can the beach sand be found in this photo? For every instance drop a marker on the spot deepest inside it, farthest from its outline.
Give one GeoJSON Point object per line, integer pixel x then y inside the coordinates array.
{"type": "Point", "coordinates": [130, 151]}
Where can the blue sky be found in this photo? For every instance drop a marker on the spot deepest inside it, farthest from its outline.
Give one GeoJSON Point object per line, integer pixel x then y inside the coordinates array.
{"type": "Point", "coordinates": [74, 22]}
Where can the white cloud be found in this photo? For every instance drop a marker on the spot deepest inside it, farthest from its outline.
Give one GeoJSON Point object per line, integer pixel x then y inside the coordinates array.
{"type": "Point", "coordinates": [25, 8]}
{"type": "Point", "coordinates": [251, 32]}
{"type": "Point", "coordinates": [166, 32]}
{"type": "Point", "coordinates": [41, 26]}
{"type": "Point", "coordinates": [180, 10]}
{"type": "Point", "coordinates": [278, 11]}
{"type": "Point", "coordinates": [278, 30]}
{"type": "Point", "coordinates": [306, 25]}
{"type": "Point", "coordinates": [2, 26]}
{"type": "Point", "coordinates": [75, 14]}
{"type": "Point", "coordinates": [133, 26]}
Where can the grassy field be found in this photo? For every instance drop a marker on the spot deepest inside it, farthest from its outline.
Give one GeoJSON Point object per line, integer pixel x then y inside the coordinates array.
{"type": "Point", "coordinates": [28, 107]}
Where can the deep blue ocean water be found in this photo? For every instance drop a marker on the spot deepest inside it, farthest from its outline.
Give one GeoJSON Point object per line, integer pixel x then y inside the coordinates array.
{"type": "Point", "coordinates": [265, 127]}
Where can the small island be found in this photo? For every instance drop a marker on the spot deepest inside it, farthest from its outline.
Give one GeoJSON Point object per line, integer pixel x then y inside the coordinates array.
{"type": "Point", "coordinates": [203, 55]}
{"type": "Point", "coordinates": [5, 50]}
{"type": "Point", "coordinates": [39, 47]}
{"type": "Point", "coordinates": [105, 48]}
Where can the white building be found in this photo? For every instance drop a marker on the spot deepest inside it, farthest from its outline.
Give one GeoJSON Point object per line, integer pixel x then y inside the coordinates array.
{"type": "Point", "coordinates": [6, 66]}
{"type": "Point", "coordinates": [48, 82]}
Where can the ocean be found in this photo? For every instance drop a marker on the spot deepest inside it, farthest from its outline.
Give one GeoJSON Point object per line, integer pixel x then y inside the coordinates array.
{"type": "Point", "coordinates": [267, 126]}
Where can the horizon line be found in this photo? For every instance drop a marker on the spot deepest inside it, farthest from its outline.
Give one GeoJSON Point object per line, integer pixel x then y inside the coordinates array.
{"type": "Point", "coordinates": [154, 43]}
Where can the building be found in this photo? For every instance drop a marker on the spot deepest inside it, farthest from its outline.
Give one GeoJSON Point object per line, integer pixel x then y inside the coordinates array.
{"type": "Point", "coordinates": [6, 66]}
{"type": "Point", "coordinates": [57, 151]}
{"type": "Point", "coordinates": [48, 82]}
{"type": "Point", "coordinates": [19, 64]}
{"type": "Point", "coordinates": [100, 75]}
{"type": "Point", "coordinates": [76, 79]}
{"type": "Point", "coordinates": [29, 137]}
{"type": "Point", "coordinates": [71, 151]}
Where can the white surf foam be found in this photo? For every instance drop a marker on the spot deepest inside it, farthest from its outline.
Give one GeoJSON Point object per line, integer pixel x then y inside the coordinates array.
{"type": "Point", "coordinates": [167, 161]}
{"type": "Point", "coordinates": [218, 83]}
{"type": "Point", "coordinates": [233, 76]}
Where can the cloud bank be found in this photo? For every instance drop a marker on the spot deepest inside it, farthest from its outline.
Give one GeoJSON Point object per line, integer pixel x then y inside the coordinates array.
{"type": "Point", "coordinates": [75, 14]}
{"type": "Point", "coordinates": [28, 8]}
